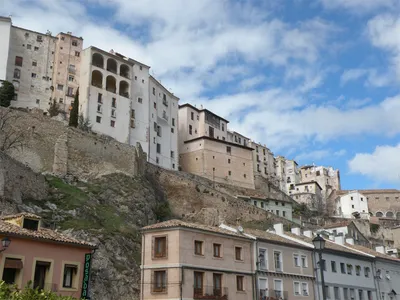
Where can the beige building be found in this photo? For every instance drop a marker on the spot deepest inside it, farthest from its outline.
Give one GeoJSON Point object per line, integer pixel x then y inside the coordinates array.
{"type": "Point", "coordinates": [264, 163]}
{"type": "Point", "coordinates": [327, 178]}
{"type": "Point", "coordinates": [204, 148]}
{"type": "Point", "coordinates": [309, 193]}
{"type": "Point", "coordinates": [191, 261]}
{"type": "Point", "coordinates": [280, 165]}
{"type": "Point", "coordinates": [66, 69]}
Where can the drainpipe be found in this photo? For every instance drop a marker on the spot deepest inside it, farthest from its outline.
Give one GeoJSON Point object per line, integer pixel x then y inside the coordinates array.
{"type": "Point", "coordinates": [316, 287]}
{"type": "Point", "coordinates": [376, 282]}
{"type": "Point", "coordinates": [256, 295]}
{"type": "Point", "coordinates": [182, 278]}
{"type": "Point", "coordinates": [143, 260]}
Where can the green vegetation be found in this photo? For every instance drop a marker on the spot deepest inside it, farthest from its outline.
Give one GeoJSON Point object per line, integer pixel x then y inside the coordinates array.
{"type": "Point", "coordinates": [6, 93]}
{"type": "Point", "coordinates": [11, 292]}
{"type": "Point", "coordinates": [74, 115]}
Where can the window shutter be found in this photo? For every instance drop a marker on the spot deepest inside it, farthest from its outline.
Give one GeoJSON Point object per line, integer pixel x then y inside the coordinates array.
{"type": "Point", "coordinates": [166, 280]}
{"type": "Point", "coordinates": [152, 247]}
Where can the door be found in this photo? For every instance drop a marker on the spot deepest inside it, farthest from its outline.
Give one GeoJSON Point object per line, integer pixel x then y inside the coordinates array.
{"type": "Point", "coordinates": [217, 279]}
{"type": "Point", "coordinates": [211, 131]}
{"type": "Point", "coordinates": [41, 269]}
{"type": "Point", "coordinates": [198, 283]}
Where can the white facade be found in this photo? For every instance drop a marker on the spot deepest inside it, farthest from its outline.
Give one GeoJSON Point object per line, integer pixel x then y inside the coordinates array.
{"type": "Point", "coordinates": [238, 138]}
{"type": "Point", "coordinates": [30, 67]}
{"type": "Point", "coordinates": [164, 108]}
{"type": "Point", "coordinates": [387, 278]}
{"type": "Point", "coordinates": [351, 205]}
{"type": "Point", "coordinates": [5, 34]}
{"type": "Point", "coordinates": [278, 207]}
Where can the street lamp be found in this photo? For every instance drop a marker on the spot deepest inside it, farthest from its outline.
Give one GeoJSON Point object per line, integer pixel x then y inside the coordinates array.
{"type": "Point", "coordinates": [319, 245]}
{"type": "Point", "coordinates": [5, 243]}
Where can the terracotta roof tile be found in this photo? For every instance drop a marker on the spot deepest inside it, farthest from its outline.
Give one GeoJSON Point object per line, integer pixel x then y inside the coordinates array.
{"type": "Point", "coordinates": [22, 214]}
{"type": "Point", "coordinates": [183, 224]}
{"type": "Point", "coordinates": [373, 252]}
{"type": "Point", "coordinates": [7, 228]}
{"type": "Point", "coordinates": [272, 237]}
{"type": "Point", "coordinates": [377, 191]}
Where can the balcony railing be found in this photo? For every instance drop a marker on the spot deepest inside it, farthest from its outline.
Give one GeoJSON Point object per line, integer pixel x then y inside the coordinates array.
{"type": "Point", "coordinates": [210, 292]}
{"type": "Point", "coordinates": [273, 295]}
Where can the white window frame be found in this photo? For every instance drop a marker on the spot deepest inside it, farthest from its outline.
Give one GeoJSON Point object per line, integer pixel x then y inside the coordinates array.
{"type": "Point", "coordinates": [265, 257]}
{"type": "Point", "coordinates": [282, 288]}
{"type": "Point", "coordinates": [294, 288]}
{"type": "Point", "coordinates": [296, 256]}
{"type": "Point", "coordinates": [281, 260]}
{"type": "Point", "coordinates": [266, 279]}
{"type": "Point", "coordinates": [306, 289]}
{"type": "Point", "coordinates": [305, 260]}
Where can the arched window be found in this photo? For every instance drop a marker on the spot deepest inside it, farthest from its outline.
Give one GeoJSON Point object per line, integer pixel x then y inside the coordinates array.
{"type": "Point", "coordinates": [98, 60]}
{"type": "Point", "coordinates": [111, 84]}
{"type": "Point", "coordinates": [124, 89]}
{"type": "Point", "coordinates": [389, 214]}
{"type": "Point", "coordinates": [379, 214]}
{"type": "Point", "coordinates": [124, 71]}
{"type": "Point", "coordinates": [112, 65]}
{"type": "Point", "coordinates": [17, 73]}
{"type": "Point", "coordinates": [97, 79]}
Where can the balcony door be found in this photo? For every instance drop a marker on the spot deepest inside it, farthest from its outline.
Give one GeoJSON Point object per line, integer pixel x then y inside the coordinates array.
{"type": "Point", "coordinates": [217, 279]}
{"type": "Point", "coordinates": [198, 283]}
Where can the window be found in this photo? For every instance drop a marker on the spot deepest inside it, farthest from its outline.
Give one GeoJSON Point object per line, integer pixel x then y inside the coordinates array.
{"type": "Point", "coordinates": [284, 213]}
{"type": "Point", "coordinates": [33, 75]}
{"type": "Point", "coordinates": [77, 53]}
{"type": "Point", "coordinates": [296, 288]}
{"type": "Point", "coordinates": [352, 206]}
{"type": "Point", "coordinates": [328, 296]}
{"type": "Point", "coordinates": [172, 130]}
{"type": "Point", "coordinates": [278, 261]}
{"type": "Point", "coordinates": [70, 78]}
{"type": "Point", "coordinates": [41, 274]}
{"type": "Point", "coordinates": [61, 100]}
{"type": "Point", "coordinates": [198, 246]}
{"type": "Point", "coordinates": [192, 115]}
{"type": "Point", "coordinates": [228, 149]}
{"type": "Point", "coordinates": [160, 281]}
{"type": "Point", "coordinates": [198, 117]}
{"type": "Point", "coordinates": [99, 110]}
{"type": "Point", "coordinates": [70, 271]}
{"type": "Point", "coordinates": [336, 293]}
{"type": "Point", "coordinates": [369, 295]}
{"type": "Point", "coordinates": [198, 283]}
{"type": "Point", "coordinates": [366, 271]}
{"type": "Point", "coordinates": [229, 160]}
{"type": "Point", "coordinates": [217, 281]}
{"type": "Point", "coordinates": [262, 203]}
{"type": "Point", "coordinates": [18, 61]}
{"type": "Point", "coordinates": [160, 247]}
{"type": "Point", "coordinates": [358, 270]}
{"type": "Point", "coordinates": [112, 123]}
{"type": "Point", "coordinates": [238, 253]}
{"type": "Point", "coordinates": [98, 119]}
{"type": "Point", "coordinates": [154, 91]}
{"type": "Point", "coordinates": [159, 131]}
{"type": "Point", "coordinates": [263, 259]}
{"type": "Point", "coordinates": [304, 263]}
{"type": "Point", "coordinates": [158, 148]}
{"type": "Point", "coordinates": [74, 43]}
{"type": "Point", "coordinates": [39, 38]}
{"type": "Point", "coordinates": [113, 113]}
{"type": "Point", "coordinates": [277, 212]}
{"type": "Point", "coordinates": [223, 126]}
{"type": "Point", "coordinates": [60, 87]}
{"type": "Point", "coordinates": [296, 262]}
{"type": "Point", "coordinates": [217, 250]}
{"type": "Point", "coordinates": [140, 100]}
{"type": "Point", "coordinates": [100, 98]}
{"type": "Point", "coordinates": [173, 121]}
{"type": "Point", "coordinates": [346, 293]}
{"type": "Point", "coordinates": [17, 73]}
{"type": "Point", "coordinates": [239, 283]}
{"type": "Point", "coordinates": [324, 264]}
{"type": "Point", "coordinates": [342, 268]}
{"type": "Point", "coordinates": [37, 101]}
{"type": "Point", "coordinates": [229, 173]}
{"type": "Point", "coordinates": [333, 266]}
{"type": "Point", "coordinates": [190, 129]}
{"type": "Point", "coordinates": [34, 63]}
{"type": "Point", "coordinates": [70, 91]}
{"type": "Point", "coordinates": [12, 270]}
{"type": "Point", "coordinates": [304, 287]}
{"type": "Point", "coordinates": [278, 287]}
{"type": "Point", "coordinates": [114, 103]}
{"type": "Point", "coordinates": [349, 269]}
{"type": "Point", "coordinates": [141, 68]}
{"type": "Point", "coordinates": [360, 295]}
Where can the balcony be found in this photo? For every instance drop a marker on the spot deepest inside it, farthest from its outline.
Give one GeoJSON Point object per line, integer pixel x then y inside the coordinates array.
{"type": "Point", "coordinates": [273, 295]}
{"type": "Point", "coordinates": [209, 292]}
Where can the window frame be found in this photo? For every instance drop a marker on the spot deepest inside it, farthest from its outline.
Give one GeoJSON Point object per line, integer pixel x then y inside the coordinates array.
{"type": "Point", "coordinates": [241, 256]}
{"type": "Point", "coordinates": [240, 283]}
{"type": "Point", "coordinates": [219, 246]}
{"type": "Point", "coordinates": [164, 254]}
{"type": "Point", "coordinates": [164, 285]}
{"type": "Point", "coordinates": [75, 276]}
{"type": "Point", "coordinates": [196, 243]}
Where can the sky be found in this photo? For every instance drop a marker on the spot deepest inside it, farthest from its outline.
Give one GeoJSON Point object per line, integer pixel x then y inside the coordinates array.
{"type": "Point", "coordinates": [315, 80]}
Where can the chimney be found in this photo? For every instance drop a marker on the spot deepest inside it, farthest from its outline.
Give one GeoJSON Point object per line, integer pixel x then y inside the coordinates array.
{"type": "Point", "coordinates": [339, 240]}
{"type": "Point", "coordinates": [350, 241]}
{"type": "Point", "coordinates": [332, 237]}
{"type": "Point", "coordinates": [308, 233]}
{"type": "Point", "coordinates": [296, 231]}
{"type": "Point", "coordinates": [380, 249]}
{"type": "Point", "coordinates": [278, 228]}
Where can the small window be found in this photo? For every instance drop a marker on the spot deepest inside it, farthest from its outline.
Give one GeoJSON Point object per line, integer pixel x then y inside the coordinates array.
{"type": "Point", "coordinates": [192, 115]}
{"type": "Point", "coordinates": [37, 101]}
{"type": "Point", "coordinates": [113, 113]}
{"type": "Point", "coordinates": [172, 130]}
{"type": "Point", "coordinates": [173, 121]}
{"type": "Point", "coordinates": [140, 100]}
{"type": "Point", "coordinates": [132, 113]}
{"type": "Point", "coordinates": [229, 160]}
{"type": "Point", "coordinates": [349, 269]}
{"type": "Point", "coordinates": [160, 282]}
{"type": "Point", "coordinates": [198, 247]}
{"type": "Point", "coordinates": [296, 288]}
{"type": "Point", "coordinates": [99, 110]}
{"type": "Point", "coordinates": [100, 98]}
{"type": "Point", "coordinates": [172, 154]}
{"type": "Point", "coordinates": [229, 173]}
{"type": "Point", "coordinates": [17, 73]}
{"type": "Point", "coordinates": [238, 253]}
{"type": "Point", "coordinates": [342, 268]}
{"type": "Point", "coordinates": [28, 46]}
{"type": "Point", "coordinates": [77, 54]}
{"type": "Point", "coordinates": [36, 48]}
{"type": "Point", "coordinates": [333, 266]}
{"type": "Point", "coordinates": [70, 271]}
{"type": "Point", "coordinates": [217, 250]}
{"type": "Point", "coordinates": [367, 271]}
{"type": "Point", "coordinates": [39, 38]}
{"type": "Point", "coordinates": [190, 129]}
{"type": "Point", "coordinates": [154, 91]}
{"type": "Point", "coordinates": [142, 80]}
{"type": "Point", "coordinates": [70, 78]}
{"type": "Point", "coordinates": [18, 61]}
{"type": "Point", "coordinates": [60, 87]}
{"type": "Point", "coordinates": [98, 119]}
{"type": "Point", "coordinates": [160, 247]}
{"type": "Point", "coordinates": [296, 260]}
{"type": "Point", "coordinates": [158, 148]}
{"type": "Point", "coordinates": [239, 283]}
{"type": "Point", "coordinates": [155, 105]}
{"type": "Point", "coordinates": [228, 149]}
{"type": "Point", "coordinates": [34, 63]}
{"type": "Point", "coordinates": [140, 68]}
{"type": "Point", "coordinates": [223, 126]}
{"type": "Point", "coordinates": [33, 75]}
{"type": "Point", "coordinates": [114, 102]}
{"type": "Point", "coordinates": [358, 270]}
{"type": "Point", "coordinates": [74, 43]}
{"type": "Point", "coordinates": [304, 287]}
{"type": "Point", "coordinates": [61, 100]}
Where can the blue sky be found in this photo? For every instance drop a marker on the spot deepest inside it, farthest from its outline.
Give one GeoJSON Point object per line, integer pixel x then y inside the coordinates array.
{"type": "Point", "coordinates": [314, 80]}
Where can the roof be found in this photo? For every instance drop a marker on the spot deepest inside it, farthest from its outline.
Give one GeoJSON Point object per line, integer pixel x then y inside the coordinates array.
{"type": "Point", "coordinates": [201, 110]}
{"type": "Point", "coordinates": [32, 31]}
{"type": "Point", "coordinates": [237, 133]}
{"type": "Point", "coordinates": [5, 18]}
{"type": "Point", "coordinates": [43, 234]}
{"type": "Point", "coordinates": [377, 191]}
{"type": "Point", "coordinates": [338, 224]}
{"type": "Point", "coordinates": [71, 35]}
{"type": "Point", "coordinates": [265, 198]}
{"type": "Point", "coordinates": [218, 141]}
{"type": "Point", "coordinates": [22, 214]}
{"type": "Point", "coordinates": [182, 224]}
{"type": "Point", "coordinates": [118, 57]}
{"type": "Point", "coordinates": [309, 182]}
{"type": "Point", "coordinates": [272, 237]}
{"type": "Point", "coordinates": [373, 252]}
{"type": "Point", "coordinates": [166, 90]}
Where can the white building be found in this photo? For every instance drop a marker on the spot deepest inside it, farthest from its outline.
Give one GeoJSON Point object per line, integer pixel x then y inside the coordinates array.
{"type": "Point", "coordinates": [352, 205]}
{"type": "Point", "coordinates": [5, 34]}
{"type": "Point", "coordinates": [292, 174]}
{"type": "Point", "coordinates": [115, 96]}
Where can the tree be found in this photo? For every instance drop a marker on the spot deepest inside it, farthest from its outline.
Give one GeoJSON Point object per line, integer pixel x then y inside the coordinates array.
{"type": "Point", "coordinates": [74, 115]}
{"type": "Point", "coordinates": [84, 124]}
{"type": "Point", "coordinates": [6, 93]}
{"type": "Point", "coordinates": [10, 137]}
{"type": "Point", "coordinates": [54, 110]}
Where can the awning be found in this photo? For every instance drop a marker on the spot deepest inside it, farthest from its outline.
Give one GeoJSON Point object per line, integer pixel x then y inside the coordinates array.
{"type": "Point", "coordinates": [43, 263]}
{"type": "Point", "coordinates": [71, 266]}
{"type": "Point", "coordinates": [12, 263]}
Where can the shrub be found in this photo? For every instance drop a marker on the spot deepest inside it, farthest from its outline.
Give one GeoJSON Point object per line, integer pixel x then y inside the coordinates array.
{"type": "Point", "coordinates": [11, 292]}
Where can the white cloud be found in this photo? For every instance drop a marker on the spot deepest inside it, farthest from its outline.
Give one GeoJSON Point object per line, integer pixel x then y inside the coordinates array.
{"type": "Point", "coordinates": [359, 6]}
{"type": "Point", "coordinates": [381, 165]}
{"type": "Point", "coordinates": [373, 77]}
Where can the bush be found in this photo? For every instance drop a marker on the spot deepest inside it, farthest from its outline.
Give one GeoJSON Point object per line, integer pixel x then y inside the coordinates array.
{"type": "Point", "coordinates": [6, 93]}
{"type": "Point", "coordinates": [11, 292]}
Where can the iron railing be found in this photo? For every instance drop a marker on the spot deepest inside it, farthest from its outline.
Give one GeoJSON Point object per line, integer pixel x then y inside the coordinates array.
{"type": "Point", "coordinates": [210, 292]}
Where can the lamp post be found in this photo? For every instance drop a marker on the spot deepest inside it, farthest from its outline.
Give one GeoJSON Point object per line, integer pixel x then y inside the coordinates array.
{"type": "Point", "coordinates": [5, 243]}
{"type": "Point", "coordinates": [319, 245]}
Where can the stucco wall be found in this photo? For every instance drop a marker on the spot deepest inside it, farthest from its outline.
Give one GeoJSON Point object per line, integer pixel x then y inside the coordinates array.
{"type": "Point", "coordinates": [5, 33]}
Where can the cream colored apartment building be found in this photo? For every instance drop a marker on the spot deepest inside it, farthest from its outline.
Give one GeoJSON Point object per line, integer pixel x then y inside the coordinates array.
{"type": "Point", "coordinates": [205, 150]}
{"type": "Point", "coordinates": [327, 177]}
{"type": "Point", "coordinates": [309, 193]}
{"type": "Point", "coordinates": [264, 164]}
{"type": "Point", "coordinates": [183, 260]}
